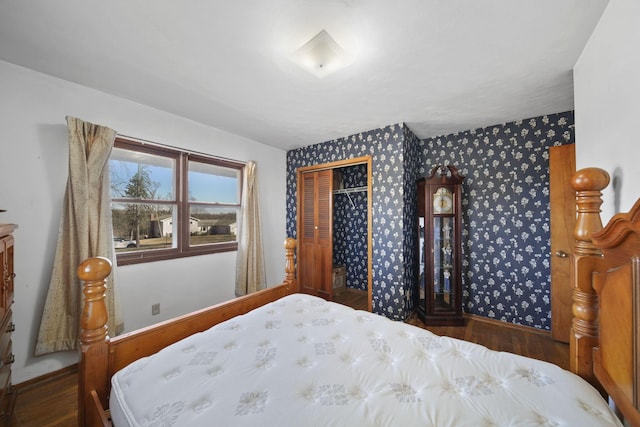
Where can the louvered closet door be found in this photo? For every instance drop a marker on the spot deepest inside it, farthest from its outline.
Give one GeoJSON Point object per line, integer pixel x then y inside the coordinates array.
{"type": "Point", "coordinates": [315, 255]}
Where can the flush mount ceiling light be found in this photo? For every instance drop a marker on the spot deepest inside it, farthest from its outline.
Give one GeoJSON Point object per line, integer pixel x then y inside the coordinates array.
{"type": "Point", "coordinates": [321, 55]}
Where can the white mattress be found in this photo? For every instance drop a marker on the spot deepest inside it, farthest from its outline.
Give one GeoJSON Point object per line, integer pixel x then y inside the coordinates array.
{"type": "Point", "coordinates": [301, 361]}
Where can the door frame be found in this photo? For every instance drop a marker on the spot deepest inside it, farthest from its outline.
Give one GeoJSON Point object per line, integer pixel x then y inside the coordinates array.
{"type": "Point", "coordinates": [364, 160]}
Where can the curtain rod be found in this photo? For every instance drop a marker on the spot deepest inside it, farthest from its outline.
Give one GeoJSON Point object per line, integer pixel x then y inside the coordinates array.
{"type": "Point", "coordinates": [158, 144]}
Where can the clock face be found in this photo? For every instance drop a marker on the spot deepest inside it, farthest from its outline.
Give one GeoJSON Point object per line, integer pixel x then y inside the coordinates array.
{"type": "Point", "coordinates": [442, 201]}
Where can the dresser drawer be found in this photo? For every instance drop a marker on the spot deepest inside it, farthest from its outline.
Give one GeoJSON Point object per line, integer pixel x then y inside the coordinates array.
{"type": "Point", "coordinates": [5, 369]}
{"type": "Point", "coordinates": [7, 279]}
{"type": "Point", "coordinates": [6, 389]}
{"type": "Point", "coordinates": [5, 332]}
{"type": "Point", "coordinates": [7, 402]}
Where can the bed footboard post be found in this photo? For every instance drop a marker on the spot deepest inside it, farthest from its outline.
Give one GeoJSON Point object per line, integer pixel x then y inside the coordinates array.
{"type": "Point", "coordinates": [93, 365]}
{"type": "Point", "coordinates": [588, 184]}
{"type": "Point", "coordinates": [289, 267]}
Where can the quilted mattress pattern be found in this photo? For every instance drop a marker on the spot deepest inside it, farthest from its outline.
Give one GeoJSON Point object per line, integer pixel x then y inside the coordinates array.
{"type": "Point", "coordinates": [302, 361]}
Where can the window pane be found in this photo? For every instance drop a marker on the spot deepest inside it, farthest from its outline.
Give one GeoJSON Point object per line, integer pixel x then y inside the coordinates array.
{"type": "Point", "coordinates": [212, 224]}
{"type": "Point", "coordinates": [142, 226]}
{"type": "Point", "coordinates": [211, 183]}
{"type": "Point", "coordinates": [154, 186]}
{"type": "Point", "coordinates": [136, 175]}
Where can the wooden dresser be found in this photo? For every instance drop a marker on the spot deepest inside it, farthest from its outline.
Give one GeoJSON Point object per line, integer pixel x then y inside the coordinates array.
{"type": "Point", "coordinates": [7, 393]}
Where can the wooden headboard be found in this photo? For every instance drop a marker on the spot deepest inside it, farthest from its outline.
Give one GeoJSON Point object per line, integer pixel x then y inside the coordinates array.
{"type": "Point", "coordinates": [606, 281]}
{"type": "Point", "coordinates": [616, 361]}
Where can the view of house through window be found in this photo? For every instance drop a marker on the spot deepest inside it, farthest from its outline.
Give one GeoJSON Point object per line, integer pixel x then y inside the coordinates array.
{"type": "Point", "coordinates": [168, 203]}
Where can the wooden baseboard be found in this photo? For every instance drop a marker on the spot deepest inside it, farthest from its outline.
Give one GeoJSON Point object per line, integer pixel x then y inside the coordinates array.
{"type": "Point", "coordinates": [496, 322]}
{"type": "Point", "coordinates": [72, 369]}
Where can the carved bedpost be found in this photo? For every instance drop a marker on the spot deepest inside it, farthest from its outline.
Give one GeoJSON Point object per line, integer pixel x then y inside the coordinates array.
{"type": "Point", "coordinates": [289, 267]}
{"type": "Point", "coordinates": [93, 339]}
{"type": "Point", "coordinates": [588, 184]}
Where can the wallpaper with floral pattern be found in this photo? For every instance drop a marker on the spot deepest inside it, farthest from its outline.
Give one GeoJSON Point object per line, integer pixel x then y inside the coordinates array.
{"type": "Point", "coordinates": [505, 213]}
{"type": "Point", "coordinates": [506, 229]}
{"type": "Point", "coordinates": [350, 227]}
{"type": "Point", "coordinates": [391, 290]}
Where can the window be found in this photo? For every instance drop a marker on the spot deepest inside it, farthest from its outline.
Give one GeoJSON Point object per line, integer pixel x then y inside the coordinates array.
{"type": "Point", "coordinates": [168, 203]}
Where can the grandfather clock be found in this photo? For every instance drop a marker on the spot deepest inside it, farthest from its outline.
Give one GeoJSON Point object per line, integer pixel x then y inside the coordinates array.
{"type": "Point", "coordinates": [440, 247]}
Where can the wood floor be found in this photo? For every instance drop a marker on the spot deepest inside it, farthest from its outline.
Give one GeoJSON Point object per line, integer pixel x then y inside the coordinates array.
{"type": "Point", "coordinates": [53, 402]}
{"type": "Point", "coordinates": [353, 298]}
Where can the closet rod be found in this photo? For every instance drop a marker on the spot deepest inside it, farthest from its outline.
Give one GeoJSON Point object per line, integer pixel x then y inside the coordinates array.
{"type": "Point", "coordinates": [350, 190]}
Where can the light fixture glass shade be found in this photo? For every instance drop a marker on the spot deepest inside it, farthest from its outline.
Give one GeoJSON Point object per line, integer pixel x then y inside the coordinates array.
{"type": "Point", "coordinates": [321, 55]}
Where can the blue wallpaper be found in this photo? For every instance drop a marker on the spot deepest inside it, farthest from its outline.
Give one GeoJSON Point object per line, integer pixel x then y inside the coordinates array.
{"type": "Point", "coordinates": [505, 219]}
{"type": "Point", "coordinates": [412, 160]}
{"type": "Point", "coordinates": [506, 265]}
{"type": "Point", "coordinates": [350, 227]}
{"type": "Point", "coordinates": [391, 288]}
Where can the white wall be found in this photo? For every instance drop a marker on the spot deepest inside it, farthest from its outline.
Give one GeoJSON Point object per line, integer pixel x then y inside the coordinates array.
{"type": "Point", "coordinates": [33, 175]}
{"type": "Point", "coordinates": [607, 104]}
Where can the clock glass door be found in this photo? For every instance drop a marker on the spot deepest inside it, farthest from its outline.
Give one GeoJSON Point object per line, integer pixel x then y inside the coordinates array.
{"type": "Point", "coordinates": [443, 265]}
{"type": "Point", "coordinates": [422, 280]}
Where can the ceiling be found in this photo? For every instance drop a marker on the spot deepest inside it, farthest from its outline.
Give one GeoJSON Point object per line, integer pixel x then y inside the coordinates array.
{"type": "Point", "coordinates": [439, 66]}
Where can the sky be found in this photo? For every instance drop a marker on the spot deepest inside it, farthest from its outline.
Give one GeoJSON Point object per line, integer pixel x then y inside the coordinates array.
{"type": "Point", "coordinates": [206, 187]}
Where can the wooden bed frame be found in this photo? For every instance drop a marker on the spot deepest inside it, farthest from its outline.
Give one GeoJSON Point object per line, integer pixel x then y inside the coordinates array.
{"type": "Point", "coordinates": [101, 356]}
{"type": "Point", "coordinates": [604, 336]}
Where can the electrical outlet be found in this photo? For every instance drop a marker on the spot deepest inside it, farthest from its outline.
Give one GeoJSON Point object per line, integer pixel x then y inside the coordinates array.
{"type": "Point", "coordinates": [155, 309]}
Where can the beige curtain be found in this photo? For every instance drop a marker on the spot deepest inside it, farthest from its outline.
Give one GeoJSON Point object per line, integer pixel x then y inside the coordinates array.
{"type": "Point", "coordinates": [85, 231]}
{"type": "Point", "coordinates": [250, 272]}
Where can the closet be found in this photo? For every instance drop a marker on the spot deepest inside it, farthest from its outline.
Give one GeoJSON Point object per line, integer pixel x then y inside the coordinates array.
{"type": "Point", "coordinates": [315, 241]}
{"type": "Point", "coordinates": [334, 228]}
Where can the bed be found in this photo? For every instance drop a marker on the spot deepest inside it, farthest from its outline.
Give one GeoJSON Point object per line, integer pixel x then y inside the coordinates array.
{"type": "Point", "coordinates": [282, 358]}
